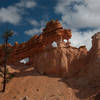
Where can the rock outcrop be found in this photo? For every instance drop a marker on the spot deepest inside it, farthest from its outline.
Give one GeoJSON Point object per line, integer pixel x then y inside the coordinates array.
{"type": "Point", "coordinates": [39, 49]}
{"type": "Point", "coordinates": [62, 60]}
{"type": "Point", "coordinates": [92, 69]}
{"type": "Point", "coordinates": [80, 66]}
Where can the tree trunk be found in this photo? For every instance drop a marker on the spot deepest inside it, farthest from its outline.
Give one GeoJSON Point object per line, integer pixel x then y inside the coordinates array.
{"type": "Point", "coordinates": [4, 80]}
{"type": "Point", "coordinates": [5, 67]}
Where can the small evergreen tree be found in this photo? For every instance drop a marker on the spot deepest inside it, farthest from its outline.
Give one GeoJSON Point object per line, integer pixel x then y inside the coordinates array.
{"type": "Point", "coordinates": [6, 36]}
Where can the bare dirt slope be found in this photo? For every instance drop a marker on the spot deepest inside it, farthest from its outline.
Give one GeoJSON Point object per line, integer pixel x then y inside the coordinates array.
{"type": "Point", "coordinates": [36, 87]}
{"type": "Point", "coordinates": [30, 85]}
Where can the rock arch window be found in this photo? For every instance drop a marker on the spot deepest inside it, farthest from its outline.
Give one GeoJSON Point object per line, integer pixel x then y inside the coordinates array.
{"type": "Point", "coordinates": [25, 60]}
{"type": "Point", "coordinates": [54, 44]}
{"type": "Point", "coordinates": [65, 40]}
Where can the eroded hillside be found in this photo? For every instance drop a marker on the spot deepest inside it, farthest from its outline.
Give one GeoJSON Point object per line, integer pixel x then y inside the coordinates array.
{"type": "Point", "coordinates": [53, 73]}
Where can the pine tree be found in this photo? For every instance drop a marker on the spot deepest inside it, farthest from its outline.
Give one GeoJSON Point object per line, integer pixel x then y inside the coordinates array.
{"type": "Point", "coordinates": [6, 36]}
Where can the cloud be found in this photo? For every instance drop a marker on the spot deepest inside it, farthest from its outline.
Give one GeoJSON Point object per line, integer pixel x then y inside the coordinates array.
{"type": "Point", "coordinates": [30, 4]}
{"type": "Point", "coordinates": [80, 15]}
{"type": "Point", "coordinates": [38, 27]}
{"type": "Point", "coordinates": [14, 13]}
{"type": "Point", "coordinates": [33, 22]}
{"type": "Point", "coordinates": [83, 38]}
{"type": "Point", "coordinates": [33, 31]}
{"type": "Point", "coordinates": [26, 4]}
{"type": "Point", "coordinates": [10, 14]}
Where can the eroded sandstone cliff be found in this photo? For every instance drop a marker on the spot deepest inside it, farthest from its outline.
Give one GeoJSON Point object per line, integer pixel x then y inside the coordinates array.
{"type": "Point", "coordinates": [63, 60]}
{"type": "Point", "coordinates": [79, 66]}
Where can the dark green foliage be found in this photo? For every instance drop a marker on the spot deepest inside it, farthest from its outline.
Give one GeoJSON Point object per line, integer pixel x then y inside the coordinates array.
{"type": "Point", "coordinates": [7, 34]}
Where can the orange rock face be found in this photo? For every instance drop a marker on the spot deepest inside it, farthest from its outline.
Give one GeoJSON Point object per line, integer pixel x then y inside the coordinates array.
{"type": "Point", "coordinates": [62, 60]}
{"type": "Point", "coordinates": [43, 56]}
{"type": "Point", "coordinates": [81, 67]}
{"type": "Point", "coordinates": [38, 43]}
{"type": "Point", "coordinates": [92, 69]}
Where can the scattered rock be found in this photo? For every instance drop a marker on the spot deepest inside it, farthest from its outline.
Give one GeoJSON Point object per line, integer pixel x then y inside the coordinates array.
{"type": "Point", "coordinates": [25, 98]}
{"type": "Point", "coordinates": [37, 90]}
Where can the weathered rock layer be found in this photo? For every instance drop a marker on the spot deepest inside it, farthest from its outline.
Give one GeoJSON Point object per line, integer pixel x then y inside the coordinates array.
{"type": "Point", "coordinates": [62, 60]}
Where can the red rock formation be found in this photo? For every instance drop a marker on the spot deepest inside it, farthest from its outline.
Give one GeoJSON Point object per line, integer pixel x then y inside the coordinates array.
{"type": "Point", "coordinates": [52, 32]}
{"type": "Point", "coordinates": [92, 69]}
{"type": "Point", "coordinates": [63, 60]}
{"type": "Point", "coordinates": [58, 61]}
